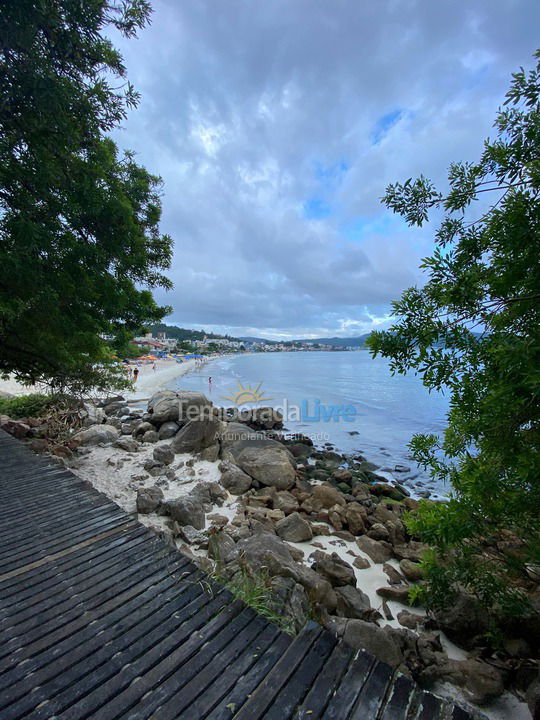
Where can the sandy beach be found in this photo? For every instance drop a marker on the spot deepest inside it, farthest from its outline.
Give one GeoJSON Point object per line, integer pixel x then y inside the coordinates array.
{"type": "Point", "coordinates": [148, 382]}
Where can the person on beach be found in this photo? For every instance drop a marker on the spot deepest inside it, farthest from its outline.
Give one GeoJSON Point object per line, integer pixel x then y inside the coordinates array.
{"type": "Point", "coordinates": [209, 383]}
{"type": "Point", "coordinates": [154, 367]}
{"type": "Point", "coordinates": [135, 374]}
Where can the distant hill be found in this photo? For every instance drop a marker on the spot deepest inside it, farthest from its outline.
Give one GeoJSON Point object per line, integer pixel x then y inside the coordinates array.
{"type": "Point", "coordinates": [339, 341]}
{"type": "Point", "coordinates": [178, 333]}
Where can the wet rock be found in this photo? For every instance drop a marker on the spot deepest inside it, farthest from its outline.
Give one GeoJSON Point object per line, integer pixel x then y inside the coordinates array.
{"type": "Point", "coordinates": [148, 499]}
{"type": "Point", "coordinates": [163, 454]}
{"type": "Point", "coordinates": [377, 551]}
{"type": "Point", "coordinates": [294, 528]}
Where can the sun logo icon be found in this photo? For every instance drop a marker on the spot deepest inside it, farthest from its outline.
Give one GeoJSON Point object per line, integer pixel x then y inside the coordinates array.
{"type": "Point", "coordinates": [246, 394]}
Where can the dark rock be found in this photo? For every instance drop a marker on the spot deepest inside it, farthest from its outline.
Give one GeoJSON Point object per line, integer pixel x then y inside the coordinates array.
{"type": "Point", "coordinates": [196, 435]}
{"type": "Point", "coordinates": [163, 454]}
{"type": "Point", "coordinates": [142, 428]}
{"type": "Point", "coordinates": [210, 453]}
{"type": "Point", "coordinates": [480, 681]}
{"type": "Point", "coordinates": [285, 501]}
{"type": "Point", "coordinates": [355, 515]}
{"type": "Point", "coordinates": [127, 445]}
{"type": "Point", "coordinates": [361, 563]}
{"type": "Point", "coordinates": [328, 496]}
{"type": "Point", "coordinates": [222, 548]}
{"type": "Point", "coordinates": [367, 636]}
{"type": "Point", "coordinates": [463, 620]}
{"type": "Point", "coordinates": [148, 499]}
{"type": "Point", "coordinates": [333, 568]}
{"type": "Point", "coordinates": [236, 481]}
{"type": "Point", "coordinates": [353, 603]}
{"type": "Point", "coordinates": [412, 571]}
{"type": "Point", "coordinates": [95, 435]}
{"type": "Point", "coordinates": [187, 511]}
{"type": "Point", "coordinates": [396, 593]}
{"type": "Point", "coordinates": [394, 577]}
{"type": "Point", "coordinates": [168, 430]}
{"type": "Point", "coordinates": [167, 405]}
{"type": "Point", "coordinates": [408, 619]}
{"type": "Point", "coordinates": [378, 532]}
{"type": "Point", "coordinates": [192, 536]}
{"type": "Point", "coordinates": [150, 436]}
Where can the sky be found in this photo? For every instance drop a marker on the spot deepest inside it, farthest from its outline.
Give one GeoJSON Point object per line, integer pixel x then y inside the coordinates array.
{"type": "Point", "coordinates": [276, 126]}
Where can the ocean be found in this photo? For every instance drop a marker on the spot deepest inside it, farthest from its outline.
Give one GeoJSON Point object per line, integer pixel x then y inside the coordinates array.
{"type": "Point", "coordinates": [348, 399]}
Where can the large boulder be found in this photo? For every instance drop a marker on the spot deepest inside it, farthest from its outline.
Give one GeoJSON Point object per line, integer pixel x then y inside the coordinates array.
{"type": "Point", "coordinates": [328, 496]}
{"type": "Point", "coordinates": [294, 528]}
{"type": "Point", "coordinates": [163, 454]}
{"type": "Point", "coordinates": [168, 430]}
{"type": "Point", "coordinates": [168, 405]}
{"type": "Point", "coordinates": [265, 418]}
{"type": "Point", "coordinates": [196, 435]}
{"type": "Point", "coordinates": [96, 434]}
{"type": "Point", "coordinates": [264, 459]}
{"type": "Point", "coordinates": [480, 681]}
{"type": "Point", "coordinates": [222, 548]}
{"type": "Point", "coordinates": [463, 620]}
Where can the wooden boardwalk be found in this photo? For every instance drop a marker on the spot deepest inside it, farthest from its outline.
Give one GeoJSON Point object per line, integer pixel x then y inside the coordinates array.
{"type": "Point", "coordinates": [101, 619]}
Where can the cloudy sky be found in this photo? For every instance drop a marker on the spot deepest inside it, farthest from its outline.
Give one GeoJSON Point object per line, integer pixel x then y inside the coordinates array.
{"type": "Point", "coordinates": [277, 124]}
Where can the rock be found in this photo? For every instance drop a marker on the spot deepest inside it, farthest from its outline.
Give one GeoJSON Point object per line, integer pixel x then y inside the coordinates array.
{"type": "Point", "coordinates": [61, 451]}
{"type": "Point", "coordinates": [285, 501]}
{"type": "Point", "coordinates": [333, 568]}
{"type": "Point", "coordinates": [413, 551]}
{"type": "Point", "coordinates": [367, 636]}
{"type": "Point", "coordinates": [463, 620]}
{"type": "Point", "coordinates": [222, 548]}
{"type": "Point", "coordinates": [268, 465]}
{"type": "Point", "coordinates": [328, 496]}
{"type": "Point", "coordinates": [187, 511]}
{"type": "Point", "coordinates": [236, 481]}
{"type": "Point", "coordinates": [95, 435]}
{"type": "Point", "coordinates": [353, 603]}
{"type": "Point", "coordinates": [408, 619]}
{"type": "Point", "coordinates": [127, 445]}
{"type": "Point", "coordinates": [289, 600]}
{"type": "Point", "coordinates": [38, 445]}
{"type": "Point", "coordinates": [262, 417]}
{"type": "Point", "coordinates": [412, 571]}
{"type": "Point", "coordinates": [192, 536]}
{"type": "Point", "coordinates": [394, 577]}
{"type": "Point", "coordinates": [196, 435]}
{"type": "Point", "coordinates": [141, 428]}
{"type": "Point", "coordinates": [481, 682]}
{"type": "Point", "coordinates": [361, 563]}
{"type": "Point", "coordinates": [93, 415]}
{"type": "Point", "coordinates": [377, 551]}
{"type": "Point", "coordinates": [378, 532]}
{"type": "Point", "coordinates": [398, 593]}
{"type": "Point", "coordinates": [210, 453]}
{"type": "Point", "coordinates": [533, 698]}
{"type": "Point", "coordinates": [342, 476]}
{"type": "Point", "coordinates": [218, 520]}
{"type": "Point", "coordinates": [168, 430]}
{"type": "Point", "coordinates": [163, 454]}
{"type": "Point", "coordinates": [148, 499]}
{"type": "Point", "coordinates": [294, 528]}
{"type": "Point", "coordinates": [150, 436]}
{"type": "Point", "coordinates": [269, 552]}
{"type": "Point", "coordinates": [355, 514]}
{"type": "Point", "coordinates": [167, 405]}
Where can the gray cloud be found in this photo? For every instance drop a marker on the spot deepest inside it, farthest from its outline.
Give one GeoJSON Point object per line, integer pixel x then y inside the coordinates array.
{"type": "Point", "coordinates": [276, 127]}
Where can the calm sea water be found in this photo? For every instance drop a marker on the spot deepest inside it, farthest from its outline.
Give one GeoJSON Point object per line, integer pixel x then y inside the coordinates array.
{"type": "Point", "coordinates": [386, 411]}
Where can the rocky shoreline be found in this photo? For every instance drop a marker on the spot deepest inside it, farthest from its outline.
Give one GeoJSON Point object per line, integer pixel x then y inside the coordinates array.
{"type": "Point", "coordinates": [320, 532]}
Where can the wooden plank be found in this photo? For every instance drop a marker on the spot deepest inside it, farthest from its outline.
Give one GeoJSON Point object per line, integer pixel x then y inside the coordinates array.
{"type": "Point", "coordinates": [315, 702]}
{"type": "Point", "coordinates": [400, 699]}
{"type": "Point", "coordinates": [429, 708]}
{"type": "Point", "coordinates": [372, 695]}
{"type": "Point", "coordinates": [264, 695]}
{"type": "Point", "coordinates": [344, 698]}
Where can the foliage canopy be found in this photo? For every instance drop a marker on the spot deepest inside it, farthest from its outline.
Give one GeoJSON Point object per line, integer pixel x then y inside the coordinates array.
{"type": "Point", "coordinates": [474, 328]}
{"type": "Point", "coordinates": [80, 247]}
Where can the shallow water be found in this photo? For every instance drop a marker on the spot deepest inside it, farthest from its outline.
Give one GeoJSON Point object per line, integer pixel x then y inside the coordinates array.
{"type": "Point", "coordinates": [367, 409]}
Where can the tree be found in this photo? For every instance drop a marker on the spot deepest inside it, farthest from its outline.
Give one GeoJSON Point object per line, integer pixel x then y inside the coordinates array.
{"type": "Point", "coordinates": [474, 329]}
{"type": "Point", "coordinates": [80, 247]}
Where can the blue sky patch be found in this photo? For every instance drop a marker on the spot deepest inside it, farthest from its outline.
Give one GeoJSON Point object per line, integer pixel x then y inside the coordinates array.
{"type": "Point", "coordinates": [384, 124]}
